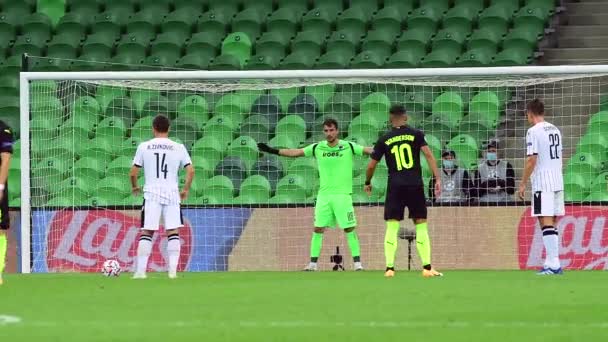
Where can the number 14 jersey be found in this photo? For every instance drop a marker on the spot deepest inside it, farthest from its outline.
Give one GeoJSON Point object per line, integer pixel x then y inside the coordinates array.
{"type": "Point", "coordinates": [545, 141]}
{"type": "Point", "coordinates": [401, 148]}
{"type": "Point", "coordinates": [161, 159]}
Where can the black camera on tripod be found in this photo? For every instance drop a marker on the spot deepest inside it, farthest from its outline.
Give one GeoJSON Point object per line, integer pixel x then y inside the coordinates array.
{"type": "Point", "coordinates": [337, 260]}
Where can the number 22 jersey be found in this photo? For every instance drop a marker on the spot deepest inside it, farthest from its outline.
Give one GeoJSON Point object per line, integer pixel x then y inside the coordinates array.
{"type": "Point", "coordinates": [161, 159]}
{"type": "Point", "coordinates": [545, 141]}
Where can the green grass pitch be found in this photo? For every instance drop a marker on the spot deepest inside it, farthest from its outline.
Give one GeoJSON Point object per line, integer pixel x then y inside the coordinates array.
{"type": "Point", "coordinates": [326, 306]}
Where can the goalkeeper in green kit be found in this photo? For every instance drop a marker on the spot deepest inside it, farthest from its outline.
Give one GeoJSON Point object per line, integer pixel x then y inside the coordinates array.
{"type": "Point", "coordinates": [334, 203]}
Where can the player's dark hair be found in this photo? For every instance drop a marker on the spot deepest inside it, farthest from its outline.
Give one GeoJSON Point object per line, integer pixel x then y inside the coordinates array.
{"type": "Point", "coordinates": [330, 122]}
{"type": "Point", "coordinates": [161, 123]}
{"type": "Point", "coordinates": [397, 110]}
{"type": "Point", "coordinates": [536, 107]}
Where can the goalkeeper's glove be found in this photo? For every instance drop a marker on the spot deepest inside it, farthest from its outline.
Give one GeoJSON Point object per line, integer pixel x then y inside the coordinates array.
{"type": "Point", "coordinates": [265, 148]}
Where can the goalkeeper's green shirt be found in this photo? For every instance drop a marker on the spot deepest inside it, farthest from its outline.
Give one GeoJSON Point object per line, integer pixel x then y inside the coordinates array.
{"type": "Point", "coordinates": [335, 165]}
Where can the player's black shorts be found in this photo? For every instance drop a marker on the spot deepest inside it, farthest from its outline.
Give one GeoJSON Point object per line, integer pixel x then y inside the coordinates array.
{"type": "Point", "coordinates": [400, 197]}
{"type": "Point", "coordinates": [4, 218]}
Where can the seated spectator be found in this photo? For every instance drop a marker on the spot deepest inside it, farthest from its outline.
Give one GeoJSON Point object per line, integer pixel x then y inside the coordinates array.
{"type": "Point", "coordinates": [455, 181]}
{"type": "Point", "coordinates": [494, 178]}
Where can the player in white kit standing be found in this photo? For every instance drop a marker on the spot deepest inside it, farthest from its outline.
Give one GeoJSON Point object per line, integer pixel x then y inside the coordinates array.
{"type": "Point", "coordinates": [544, 167]}
{"type": "Point", "coordinates": [161, 158]}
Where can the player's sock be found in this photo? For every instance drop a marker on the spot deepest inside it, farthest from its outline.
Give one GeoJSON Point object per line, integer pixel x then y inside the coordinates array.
{"type": "Point", "coordinates": [316, 242]}
{"type": "Point", "coordinates": [423, 244]}
{"type": "Point", "coordinates": [3, 246]}
{"type": "Point", "coordinates": [173, 250]}
{"type": "Point", "coordinates": [390, 242]}
{"type": "Point", "coordinates": [353, 244]}
{"type": "Point", "coordinates": [144, 248]}
{"type": "Point", "coordinates": [550, 240]}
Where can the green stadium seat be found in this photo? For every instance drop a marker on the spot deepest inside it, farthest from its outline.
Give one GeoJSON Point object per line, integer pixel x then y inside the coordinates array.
{"type": "Point", "coordinates": [211, 148]}
{"type": "Point", "coordinates": [32, 45]}
{"type": "Point", "coordinates": [345, 42]}
{"type": "Point", "coordinates": [129, 146]}
{"type": "Point", "coordinates": [38, 25]}
{"type": "Point", "coordinates": [334, 60]}
{"type": "Point", "coordinates": [597, 196]}
{"type": "Point", "coordinates": [368, 60]}
{"type": "Point", "coordinates": [119, 166]}
{"type": "Point", "coordinates": [305, 106]}
{"type": "Point", "coordinates": [271, 168]}
{"type": "Point", "coordinates": [426, 18]}
{"type": "Point", "coordinates": [100, 147]}
{"type": "Point", "coordinates": [460, 18]}
{"type": "Point", "coordinates": [576, 187]}
{"type": "Point", "coordinates": [193, 62]}
{"type": "Point", "coordinates": [17, 8]}
{"type": "Point", "coordinates": [585, 164]}
{"type": "Point", "coordinates": [284, 20]}
{"type": "Point", "coordinates": [272, 44]}
{"type": "Point", "coordinates": [307, 169]}
{"type": "Point", "coordinates": [249, 22]}
{"type": "Point", "coordinates": [449, 102]}
{"type": "Point", "coordinates": [495, 18]}
{"type": "Point", "coordinates": [185, 130]}
{"type": "Point", "coordinates": [376, 105]}
{"type": "Point", "coordinates": [9, 85]}
{"type": "Point", "coordinates": [284, 96]}
{"type": "Point", "coordinates": [257, 127]}
{"type": "Point", "coordinates": [600, 183]}
{"type": "Point", "coordinates": [321, 93]}
{"type": "Point", "coordinates": [475, 58]}
{"type": "Point", "coordinates": [510, 6]}
{"type": "Point", "coordinates": [7, 32]}
{"type": "Point", "coordinates": [113, 189]}
{"type": "Point", "coordinates": [405, 58]}
{"type": "Point", "coordinates": [77, 187]}
{"type": "Point", "coordinates": [294, 186]}
{"type": "Point", "coordinates": [112, 127]}
{"type": "Point", "coordinates": [100, 44]}
{"type": "Point", "coordinates": [486, 40]}
{"type": "Point", "coordinates": [261, 62]}
{"type": "Point", "coordinates": [220, 187]}
{"type": "Point", "coordinates": [522, 39]}
{"type": "Point", "coordinates": [232, 106]}
{"type": "Point", "coordinates": [73, 24]}
{"type": "Point", "coordinates": [110, 24]}
{"type": "Point", "coordinates": [598, 122]}
{"type": "Point", "coordinates": [439, 5]}
{"type": "Point", "coordinates": [63, 45]}
{"type": "Point", "coordinates": [194, 107]}
{"type": "Point", "coordinates": [283, 141]}
{"type": "Point", "coordinates": [180, 22]}
{"type": "Point", "coordinates": [441, 58]}
{"type": "Point", "coordinates": [204, 168]}
{"type": "Point", "coordinates": [233, 168]}
{"type": "Point", "coordinates": [204, 44]}
{"type": "Point", "coordinates": [379, 41]}
{"type": "Point", "coordinates": [531, 18]}
{"type": "Point", "coordinates": [595, 143]}
{"type": "Point", "coordinates": [476, 5]}
{"type": "Point", "coordinates": [403, 6]}
{"type": "Point", "coordinates": [222, 128]}
{"type": "Point", "coordinates": [172, 41]}
{"type": "Point", "coordinates": [270, 107]}
{"type": "Point", "coordinates": [353, 20]}
{"type": "Point", "coordinates": [308, 44]}
{"type": "Point", "coordinates": [415, 39]}
{"type": "Point", "coordinates": [365, 5]}
{"type": "Point", "coordinates": [449, 40]}
{"type": "Point", "coordinates": [48, 173]}
{"type": "Point", "coordinates": [245, 148]}
{"type": "Point", "coordinates": [84, 8]}
{"type": "Point", "coordinates": [299, 7]}
{"type": "Point", "coordinates": [365, 127]}
{"type": "Point", "coordinates": [319, 20]}
{"type": "Point", "coordinates": [292, 126]}
{"type": "Point", "coordinates": [389, 19]}
{"type": "Point", "coordinates": [131, 45]}
{"type": "Point", "coordinates": [193, 6]}
{"type": "Point", "coordinates": [237, 44]}
{"type": "Point", "coordinates": [513, 57]}
{"type": "Point", "coordinates": [467, 150]}
{"type": "Point", "coordinates": [434, 144]}
{"type": "Point", "coordinates": [214, 23]}
{"type": "Point", "coordinates": [226, 62]}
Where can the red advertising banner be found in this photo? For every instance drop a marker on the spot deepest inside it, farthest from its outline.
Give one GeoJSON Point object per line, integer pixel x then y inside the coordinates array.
{"type": "Point", "coordinates": [583, 233]}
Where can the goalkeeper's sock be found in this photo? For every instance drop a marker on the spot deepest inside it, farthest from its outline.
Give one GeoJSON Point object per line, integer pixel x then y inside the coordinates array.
{"type": "Point", "coordinates": [390, 242]}
{"type": "Point", "coordinates": [353, 244]}
{"type": "Point", "coordinates": [144, 248]}
{"type": "Point", "coordinates": [423, 244]}
{"type": "Point", "coordinates": [3, 247]}
{"type": "Point", "coordinates": [551, 242]}
{"type": "Point", "coordinates": [316, 242]}
{"type": "Point", "coordinates": [173, 250]}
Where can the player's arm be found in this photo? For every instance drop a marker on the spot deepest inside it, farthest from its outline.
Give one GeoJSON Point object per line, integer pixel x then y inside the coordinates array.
{"type": "Point", "coordinates": [285, 152]}
{"type": "Point", "coordinates": [133, 178]}
{"type": "Point", "coordinates": [189, 177]}
{"type": "Point", "coordinates": [368, 150]}
{"type": "Point", "coordinates": [369, 174]}
{"type": "Point", "coordinates": [528, 169]}
{"type": "Point", "coordinates": [430, 160]}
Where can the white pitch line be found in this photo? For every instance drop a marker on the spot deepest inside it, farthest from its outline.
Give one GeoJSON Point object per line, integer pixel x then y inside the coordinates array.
{"type": "Point", "coordinates": [312, 324]}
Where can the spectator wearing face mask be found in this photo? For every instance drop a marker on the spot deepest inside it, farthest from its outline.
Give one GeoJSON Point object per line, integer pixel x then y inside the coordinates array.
{"type": "Point", "coordinates": [455, 181]}
{"type": "Point", "coordinates": [494, 178]}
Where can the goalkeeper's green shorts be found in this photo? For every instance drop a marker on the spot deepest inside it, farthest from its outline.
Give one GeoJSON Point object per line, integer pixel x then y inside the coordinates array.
{"type": "Point", "coordinates": [335, 209]}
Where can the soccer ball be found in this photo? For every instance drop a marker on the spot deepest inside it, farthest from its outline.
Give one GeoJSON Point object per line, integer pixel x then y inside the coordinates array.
{"type": "Point", "coordinates": [111, 268]}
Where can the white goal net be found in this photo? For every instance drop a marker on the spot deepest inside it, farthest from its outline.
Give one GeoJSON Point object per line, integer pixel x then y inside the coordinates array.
{"type": "Point", "coordinates": [250, 211]}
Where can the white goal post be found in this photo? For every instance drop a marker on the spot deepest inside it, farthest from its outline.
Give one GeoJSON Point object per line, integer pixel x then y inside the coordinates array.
{"type": "Point", "coordinates": [527, 81]}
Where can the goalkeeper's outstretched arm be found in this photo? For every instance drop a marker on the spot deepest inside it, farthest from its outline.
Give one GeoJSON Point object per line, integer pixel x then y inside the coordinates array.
{"type": "Point", "coordinates": [285, 152]}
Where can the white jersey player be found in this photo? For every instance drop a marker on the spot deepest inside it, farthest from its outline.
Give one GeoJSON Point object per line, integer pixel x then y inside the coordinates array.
{"type": "Point", "coordinates": [544, 167]}
{"type": "Point", "coordinates": [161, 158]}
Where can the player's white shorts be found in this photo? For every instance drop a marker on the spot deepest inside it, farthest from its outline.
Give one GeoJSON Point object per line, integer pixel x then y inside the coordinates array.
{"type": "Point", "coordinates": [152, 211]}
{"type": "Point", "coordinates": [548, 203]}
